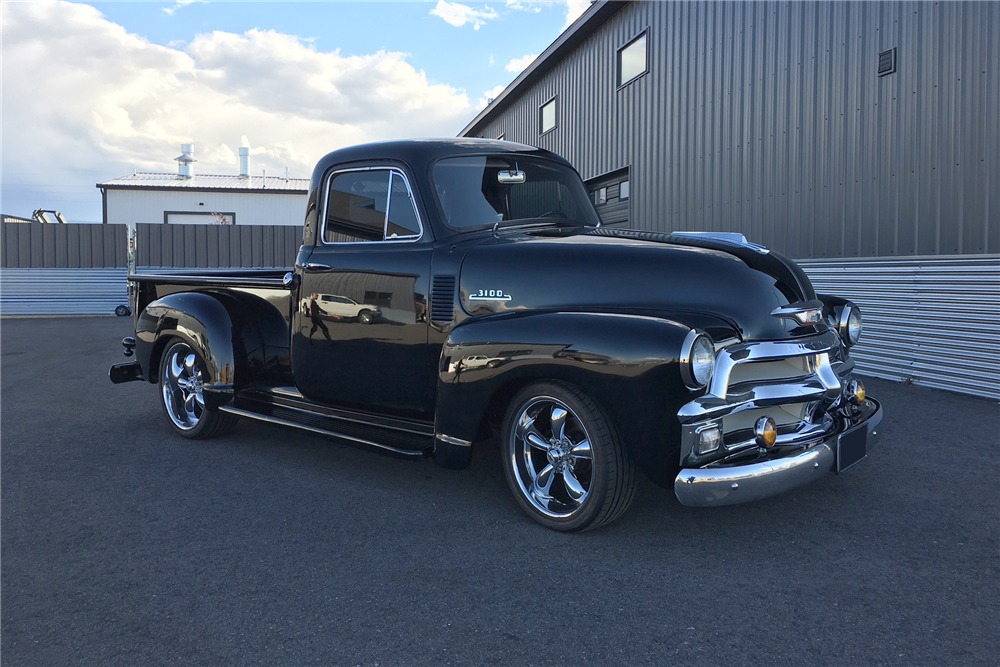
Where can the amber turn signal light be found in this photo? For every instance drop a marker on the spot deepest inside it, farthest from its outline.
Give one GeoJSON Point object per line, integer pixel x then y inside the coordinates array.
{"type": "Point", "coordinates": [766, 432]}
{"type": "Point", "coordinates": [856, 390]}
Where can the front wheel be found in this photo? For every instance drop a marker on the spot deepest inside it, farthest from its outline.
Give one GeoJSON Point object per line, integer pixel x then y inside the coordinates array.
{"type": "Point", "coordinates": [366, 317]}
{"type": "Point", "coordinates": [563, 460]}
{"type": "Point", "coordinates": [182, 377]}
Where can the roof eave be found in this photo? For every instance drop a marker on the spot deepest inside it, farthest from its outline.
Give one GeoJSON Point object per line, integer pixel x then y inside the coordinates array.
{"type": "Point", "coordinates": [596, 15]}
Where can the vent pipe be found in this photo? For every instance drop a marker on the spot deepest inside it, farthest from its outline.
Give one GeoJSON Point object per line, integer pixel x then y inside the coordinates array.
{"type": "Point", "coordinates": [244, 162]}
{"type": "Point", "coordinates": [184, 168]}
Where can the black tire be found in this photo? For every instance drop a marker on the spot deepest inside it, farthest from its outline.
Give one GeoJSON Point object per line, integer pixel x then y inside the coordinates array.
{"type": "Point", "coordinates": [123, 311]}
{"type": "Point", "coordinates": [181, 397]}
{"type": "Point", "coordinates": [366, 317]}
{"type": "Point", "coordinates": [582, 492]}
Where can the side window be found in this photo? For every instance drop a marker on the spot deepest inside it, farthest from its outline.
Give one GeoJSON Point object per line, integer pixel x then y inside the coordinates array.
{"type": "Point", "coordinates": [370, 205]}
{"type": "Point", "coordinates": [402, 222]}
{"type": "Point", "coordinates": [356, 207]}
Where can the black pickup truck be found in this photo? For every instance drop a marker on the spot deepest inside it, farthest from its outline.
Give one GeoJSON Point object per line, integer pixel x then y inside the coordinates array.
{"type": "Point", "coordinates": [449, 291]}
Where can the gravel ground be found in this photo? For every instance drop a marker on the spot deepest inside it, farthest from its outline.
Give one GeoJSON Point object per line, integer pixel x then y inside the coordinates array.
{"type": "Point", "coordinates": [123, 544]}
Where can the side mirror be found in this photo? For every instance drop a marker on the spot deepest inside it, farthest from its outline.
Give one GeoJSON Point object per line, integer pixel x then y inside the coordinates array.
{"type": "Point", "coordinates": [508, 177]}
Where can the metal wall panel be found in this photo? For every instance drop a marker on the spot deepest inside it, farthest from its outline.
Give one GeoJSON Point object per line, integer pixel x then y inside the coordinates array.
{"type": "Point", "coordinates": [36, 244]}
{"type": "Point", "coordinates": [931, 320]}
{"type": "Point", "coordinates": [147, 206]}
{"type": "Point", "coordinates": [770, 119]}
{"type": "Point", "coordinates": [80, 291]}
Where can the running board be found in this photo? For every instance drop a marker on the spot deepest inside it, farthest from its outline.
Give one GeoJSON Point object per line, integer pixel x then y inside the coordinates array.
{"type": "Point", "coordinates": [408, 453]}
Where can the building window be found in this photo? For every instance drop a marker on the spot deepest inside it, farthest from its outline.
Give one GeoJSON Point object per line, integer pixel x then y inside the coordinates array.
{"type": "Point", "coordinates": [547, 116]}
{"type": "Point", "coordinates": [623, 190]}
{"type": "Point", "coordinates": [633, 60]}
{"type": "Point", "coordinates": [602, 196]}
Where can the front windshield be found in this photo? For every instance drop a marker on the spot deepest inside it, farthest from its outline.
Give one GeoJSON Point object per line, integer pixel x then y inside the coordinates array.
{"type": "Point", "coordinates": [471, 195]}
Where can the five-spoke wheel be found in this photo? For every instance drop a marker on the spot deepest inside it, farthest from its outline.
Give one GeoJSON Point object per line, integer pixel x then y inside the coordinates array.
{"type": "Point", "coordinates": [182, 381]}
{"type": "Point", "coordinates": [563, 460]}
{"type": "Point", "coordinates": [182, 387]}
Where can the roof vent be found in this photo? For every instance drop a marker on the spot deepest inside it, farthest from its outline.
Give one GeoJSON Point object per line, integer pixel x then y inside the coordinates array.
{"type": "Point", "coordinates": [244, 162]}
{"type": "Point", "coordinates": [887, 62]}
{"type": "Point", "coordinates": [184, 161]}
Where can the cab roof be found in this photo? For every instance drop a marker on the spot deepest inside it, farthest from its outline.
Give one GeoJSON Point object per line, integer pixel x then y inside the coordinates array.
{"type": "Point", "coordinates": [418, 153]}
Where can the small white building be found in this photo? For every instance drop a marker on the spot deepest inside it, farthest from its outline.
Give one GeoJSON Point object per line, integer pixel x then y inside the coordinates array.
{"type": "Point", "coordinates": [186, 198]}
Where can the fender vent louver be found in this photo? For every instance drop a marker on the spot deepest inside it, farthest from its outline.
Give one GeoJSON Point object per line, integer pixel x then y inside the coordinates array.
{"type": "Point", "coordinates": [443, 299]}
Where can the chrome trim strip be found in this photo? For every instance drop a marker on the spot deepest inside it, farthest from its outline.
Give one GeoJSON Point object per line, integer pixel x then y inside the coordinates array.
{"type": "Point", "coordinates": [203, 281]}
{"type": "Point", "coordinates": [451, 440]}
{"type": "Point", "coordinates": [415, 453]}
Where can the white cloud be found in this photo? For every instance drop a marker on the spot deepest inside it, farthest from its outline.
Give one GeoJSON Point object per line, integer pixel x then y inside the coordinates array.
{"type": "Point", "coordinates": [519, 64]}
{"type": "Point", "coordinates": [525, 5]}
{"type": "Point", "coordinates": [487, 96]}
{"type": "Point", "coordinates": [169, 11]}
{"type": "Point", "coordinates": [458, 14]}
{"type": "Point", "coordinates": [124, 102]}
{"type": "Point", "coordinates": [574, 8]}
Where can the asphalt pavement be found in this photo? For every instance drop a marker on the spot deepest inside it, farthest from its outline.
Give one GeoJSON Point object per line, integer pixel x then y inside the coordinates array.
{"type": "Point", "coordinates": [123, 544]}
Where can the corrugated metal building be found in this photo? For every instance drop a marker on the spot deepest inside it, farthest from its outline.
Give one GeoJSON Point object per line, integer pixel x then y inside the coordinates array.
{"type": "Point", "coordinates": [187, 198]}
{"type": "Point", "coordinates": [859, 138]}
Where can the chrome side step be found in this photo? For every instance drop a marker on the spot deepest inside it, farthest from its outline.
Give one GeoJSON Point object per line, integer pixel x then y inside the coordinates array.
{"type": "Point", "coordinates": [408, 453]}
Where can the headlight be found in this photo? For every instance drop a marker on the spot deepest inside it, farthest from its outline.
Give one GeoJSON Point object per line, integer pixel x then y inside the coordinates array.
{"type": "Point", "coordinates": [697, 360]}
{"type": "Point", "coordinates": [849, 325]}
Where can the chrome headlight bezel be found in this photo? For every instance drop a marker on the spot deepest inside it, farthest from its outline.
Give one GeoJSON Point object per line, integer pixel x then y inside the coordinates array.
{"type": "Point", "coordinates": [850, 324]}
{"type": "Point", "coordinates": [697, 360]}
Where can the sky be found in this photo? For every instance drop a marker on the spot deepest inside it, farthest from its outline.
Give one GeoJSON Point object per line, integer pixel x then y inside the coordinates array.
{"type": "Point", "coordinates": [95, 91]}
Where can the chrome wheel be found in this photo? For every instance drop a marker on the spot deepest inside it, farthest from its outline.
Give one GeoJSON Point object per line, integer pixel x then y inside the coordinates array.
{"type": "Point", "coordinates": [182, 387]}
{"type": "Point", "coordinates": [551, 457]}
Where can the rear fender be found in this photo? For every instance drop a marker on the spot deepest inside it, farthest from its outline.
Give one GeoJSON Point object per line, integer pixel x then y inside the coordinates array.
{"type": "Point", "coordinates": [628, 364]}
{"type": "Point", "coordinates": [202, 322]}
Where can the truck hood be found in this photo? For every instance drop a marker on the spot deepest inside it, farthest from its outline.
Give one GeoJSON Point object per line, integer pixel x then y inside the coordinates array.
{"type": "Point", "coordinates": [690, 280]}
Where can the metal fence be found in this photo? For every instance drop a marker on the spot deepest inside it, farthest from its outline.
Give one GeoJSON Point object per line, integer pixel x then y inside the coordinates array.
{"type": "Point", "coordinates": [933, 321]}
{"type": "Point", "coordinates": [210, 246]}
{"type": "Point", "coordinates": [81, 269]}
{"type": "Point", "coordinates": [38, 245]}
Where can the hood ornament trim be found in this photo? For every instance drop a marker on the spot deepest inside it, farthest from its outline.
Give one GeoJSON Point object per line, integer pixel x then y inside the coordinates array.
{"type": "Point", "coordinates": [804, 312]}
{"type": "Point", "coordinates": [729, 238]}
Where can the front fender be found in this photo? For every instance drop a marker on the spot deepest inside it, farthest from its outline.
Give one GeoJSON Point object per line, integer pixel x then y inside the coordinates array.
{"type": "Point", "coordinates": [628, 364]}
{"type": "Point", "coordinates": [203, 323]}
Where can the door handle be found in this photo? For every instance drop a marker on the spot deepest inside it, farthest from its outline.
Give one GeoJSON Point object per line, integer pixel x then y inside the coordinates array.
{"type": "Point", "coordinates": [314, 266]}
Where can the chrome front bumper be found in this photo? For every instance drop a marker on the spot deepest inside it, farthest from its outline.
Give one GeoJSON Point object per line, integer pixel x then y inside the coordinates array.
{"type": "Point", "coordinates": [709, 487]}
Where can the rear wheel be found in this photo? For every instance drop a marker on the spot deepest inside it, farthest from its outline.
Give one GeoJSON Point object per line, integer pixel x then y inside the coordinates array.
{"type": "Point", "coordinates": [182, 377]}
{"type": "Point", "coordinates": [563, 460]}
